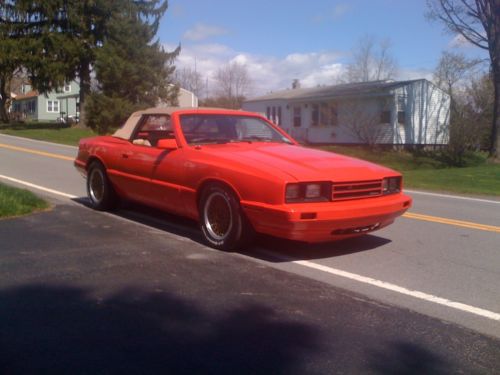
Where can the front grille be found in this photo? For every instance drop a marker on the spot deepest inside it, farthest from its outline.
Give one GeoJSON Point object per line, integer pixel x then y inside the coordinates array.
{"type": "Point", "coordinates": [355, 190]}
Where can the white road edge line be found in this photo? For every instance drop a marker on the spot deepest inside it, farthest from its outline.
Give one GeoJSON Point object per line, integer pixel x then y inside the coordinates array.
{"type": "Point", "coordinates": [450, 196]}
{"type": "Point", "coordinates": [401, 290]}
{"type": "Point", "coordinates": [392, 287]}
{"type": "Point", "coordinates": [352, 276]}
{"type": "Point", "coordinates": [38, 141]}
{"type": "Point", "coordinates": [47, 190]}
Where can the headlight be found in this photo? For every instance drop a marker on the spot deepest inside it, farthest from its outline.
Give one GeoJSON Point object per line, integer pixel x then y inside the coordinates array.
{"type": "Point", "coordinates": [391, 185]}
{"type": "Point", "coordinates": [308, 192]}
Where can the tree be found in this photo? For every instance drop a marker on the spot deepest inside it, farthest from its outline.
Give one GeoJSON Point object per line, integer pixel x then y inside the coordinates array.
{"type": "Point", "coordinates": [133, 71]}
{"type": "Point", "coordinates": [191, 80]}
{"type": "Point", "coordinates": [371, 61]}
{"type": "Point", "coordinates": [452, 69]}
{"type": "Point", "coordinates": [9, 65]}
{"type": "Point", "coordinates": [60, 38]}
{"type": "Point", "coordinates": [454, 74]}
{"type": "Point", "coordinates": [233, 84]}
{"type": "Point", "coordinates": [362, 123]}
{"type": "Point", "coordinates": [478, 21]}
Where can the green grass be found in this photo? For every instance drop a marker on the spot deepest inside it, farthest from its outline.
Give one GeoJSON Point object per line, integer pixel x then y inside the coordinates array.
{"type": "Point", "coordinates": [16, 202]}
{"type": "Point", "coordinates": [67, 136]}
{"type": "Point", "coordinates": [481, 180]}
{"type": "Point", "coordinates": [431, 171]}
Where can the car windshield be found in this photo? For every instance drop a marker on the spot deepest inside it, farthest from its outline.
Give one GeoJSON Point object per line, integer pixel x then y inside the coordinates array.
{"type": "Point", "coordinates": [206, 129]}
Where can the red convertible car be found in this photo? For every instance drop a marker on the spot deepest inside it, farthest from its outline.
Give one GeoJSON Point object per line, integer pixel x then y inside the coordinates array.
{"type": "Point", "coordinates": [237, 174]}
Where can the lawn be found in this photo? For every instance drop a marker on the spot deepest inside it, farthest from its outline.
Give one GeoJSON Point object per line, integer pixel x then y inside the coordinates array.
{"type": "Point", "coordinates": [16, 202]}
{"type": "Point", "coordinates": [67, 136]}
{"type": "Point", "coordinates": [430, 172]}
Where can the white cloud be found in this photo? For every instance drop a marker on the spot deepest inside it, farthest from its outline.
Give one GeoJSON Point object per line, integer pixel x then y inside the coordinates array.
{"type": "Point", "coordinates": [268, 73]}
{"type": "Point", "coordinates": [333, 14]}
{"type": "Point", "coordinates": [409, 74]}
{"type": "Point", "coordinates": [340, 9]}
{"type": "Point", "coordinates": [201, 32]}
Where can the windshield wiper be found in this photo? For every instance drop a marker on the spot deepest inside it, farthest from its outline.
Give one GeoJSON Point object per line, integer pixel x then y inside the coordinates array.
{"type": "Point", "coordinates": [253, 138]}
{"type": "Point", "coordinates": [208, 140]}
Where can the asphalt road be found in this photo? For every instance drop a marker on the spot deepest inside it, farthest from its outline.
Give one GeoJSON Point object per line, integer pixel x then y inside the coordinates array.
{"type": "Point", "coordinates": [424, 289]}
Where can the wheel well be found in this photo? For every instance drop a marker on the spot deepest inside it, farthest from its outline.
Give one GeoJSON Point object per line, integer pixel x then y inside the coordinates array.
{"type": "Point", "coordinates": [92, 160]}
{"type": "Point", "coordinates": [207, 183]}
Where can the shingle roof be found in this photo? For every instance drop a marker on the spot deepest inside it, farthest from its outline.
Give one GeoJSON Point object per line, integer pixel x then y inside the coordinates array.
{"type": "Point", "coordinates": [29, 94]}
{"type": "Point", "coordinates": [349, 89]}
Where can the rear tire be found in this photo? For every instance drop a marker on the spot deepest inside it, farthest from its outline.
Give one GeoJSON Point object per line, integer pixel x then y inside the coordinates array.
{"type": "Point", "coordinates": [222, 221]}
{"type": "Point", "coordinates": [99, 189]}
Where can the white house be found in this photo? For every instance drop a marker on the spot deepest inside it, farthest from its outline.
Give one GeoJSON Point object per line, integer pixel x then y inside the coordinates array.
{"type": "Point", "coordinates": [412, 112]}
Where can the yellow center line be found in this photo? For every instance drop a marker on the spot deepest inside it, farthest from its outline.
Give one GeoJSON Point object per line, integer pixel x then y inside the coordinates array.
{"type": "Point", "coordinates": [36, 152]}
{"type": "Point", "coordinates": [457, 223]}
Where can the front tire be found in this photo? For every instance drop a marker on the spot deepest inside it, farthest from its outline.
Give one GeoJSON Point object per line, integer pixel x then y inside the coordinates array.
{"type": "Point", "coordinates": [222, 222]}
{"type": "Point", "coordinates": [99, 189]}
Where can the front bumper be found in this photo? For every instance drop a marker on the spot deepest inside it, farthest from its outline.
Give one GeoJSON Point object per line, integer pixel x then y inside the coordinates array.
{"type": "Point", "coordinates": [326, 221]}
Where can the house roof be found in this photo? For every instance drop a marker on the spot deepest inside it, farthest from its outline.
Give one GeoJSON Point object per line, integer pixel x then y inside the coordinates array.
{"type": "Point", "coordinates": [29, 94]}
{"type": "Point", "coordinates": [343, 90]}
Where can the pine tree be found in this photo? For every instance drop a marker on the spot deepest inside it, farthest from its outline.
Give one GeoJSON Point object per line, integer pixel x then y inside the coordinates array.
{"type": "Point", "coordinates": [60, 40]}
{"type": "Point", "coordinates": [133, 70]}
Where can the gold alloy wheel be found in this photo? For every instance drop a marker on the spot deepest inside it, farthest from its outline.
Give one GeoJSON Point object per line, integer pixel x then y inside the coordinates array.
{"type": "Point", "coordinates": [96, 185]}
{"type": "Point", "coordinates": [217, 216]}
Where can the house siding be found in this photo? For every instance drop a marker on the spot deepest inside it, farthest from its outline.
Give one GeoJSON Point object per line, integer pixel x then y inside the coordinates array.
{"type": "Point", "coordinates": [427, 115]}
{"type": "Point", "coordinates": [417, 112]}
{"type": "Point", "coordinates": [41, 113]}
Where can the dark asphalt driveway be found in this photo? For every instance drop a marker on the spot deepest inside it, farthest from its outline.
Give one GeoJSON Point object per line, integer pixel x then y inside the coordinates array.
{"type": "Point", "coordinates": [86, 292]}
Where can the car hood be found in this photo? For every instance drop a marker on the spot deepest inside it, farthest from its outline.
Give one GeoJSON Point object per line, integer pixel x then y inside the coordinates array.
{"type": "Point", "coordinates": [296, 162]}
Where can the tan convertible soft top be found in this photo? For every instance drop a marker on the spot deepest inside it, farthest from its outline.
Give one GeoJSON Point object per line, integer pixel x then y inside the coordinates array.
{"type": "Point", "coordinates": [125, 132]}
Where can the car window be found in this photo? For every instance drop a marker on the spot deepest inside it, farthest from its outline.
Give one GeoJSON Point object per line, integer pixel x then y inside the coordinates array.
{"type": "Point", "coordinates": [205, 129]}
{"type": "Point", "coordinates": [156, 123]}
{"type": "Point", "coordinates": [153, 128]}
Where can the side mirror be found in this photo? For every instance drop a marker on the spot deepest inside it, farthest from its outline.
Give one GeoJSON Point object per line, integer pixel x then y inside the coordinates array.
{"type": "Point", "coordinates": [167, 144]}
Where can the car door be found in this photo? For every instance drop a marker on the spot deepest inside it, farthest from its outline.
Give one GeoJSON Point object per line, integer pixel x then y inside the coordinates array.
{"type": "Point", "coordinates": [140, 157]}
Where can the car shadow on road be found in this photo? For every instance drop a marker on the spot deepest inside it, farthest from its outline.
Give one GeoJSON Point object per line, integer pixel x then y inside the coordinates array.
{"type": "Point", "coordinates": [266, 248]}
{"type": "Point", "coordinates": [153, 218]}
{"type": "Point", "coordinates": [278, 250]}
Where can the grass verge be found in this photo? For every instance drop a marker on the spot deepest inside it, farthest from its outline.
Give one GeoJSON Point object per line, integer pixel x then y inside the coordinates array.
{"type": "Point", "coordinates": [16, 202]}
{"type": "Point", "coordinates": [429, 171]}
{"type": "Point", "coordinates": [67, 136]}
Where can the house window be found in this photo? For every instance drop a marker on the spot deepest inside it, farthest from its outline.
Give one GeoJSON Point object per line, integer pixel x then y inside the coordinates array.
{"type": "Point", "coordinates": [31, 106]}
{"type": "Point", "coordinates": [274, 115]}
{"type": "Point", "coordinates": [315, 115]}
{"type": "Point", "coordinates": [67, 88]}
{"type": "Point", "coordinates": [279, 116]}
{"type": "Point", "coordinates": [53, 106]}
{"type": "Point", "coordinates": [334, 115]}
{"type": "Point", "coordinates": [385, 117]}
{"type": "Point", "coordinates": [401, 117]}
{"type": "Point", "coordinates": [297, 115]}
{"type": "Point", "coordinates": [401, 101]}
{"type": "Point", "coordinates": [268, 113]}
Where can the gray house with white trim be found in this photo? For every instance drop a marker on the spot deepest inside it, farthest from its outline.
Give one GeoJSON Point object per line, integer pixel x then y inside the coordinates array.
{"type": "Point", "coordinates": [414, 112]}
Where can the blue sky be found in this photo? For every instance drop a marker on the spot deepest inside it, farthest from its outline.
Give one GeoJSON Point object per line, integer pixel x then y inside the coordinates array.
{"type": "Point", "coordinates": [310, 40]}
